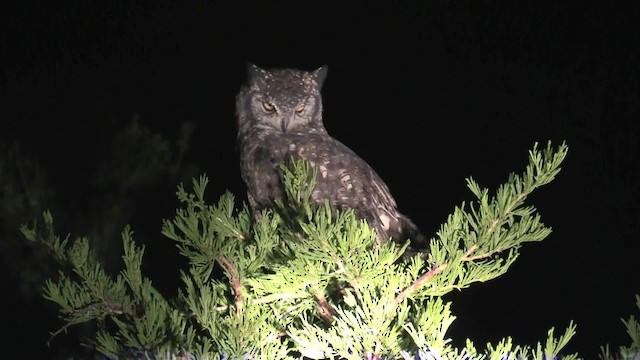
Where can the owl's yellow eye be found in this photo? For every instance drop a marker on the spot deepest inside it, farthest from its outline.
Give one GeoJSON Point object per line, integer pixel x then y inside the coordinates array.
{"type": "Point", "coordinates": [300, 109]}
{"type": "Point", "coordinates": [268, 106]}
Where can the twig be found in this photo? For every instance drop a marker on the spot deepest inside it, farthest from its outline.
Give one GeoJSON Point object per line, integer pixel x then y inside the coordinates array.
{"type": "Point", "coordinates": [235, 282]}
{"type": "Point", "coordinates": [419, 282]}
{"type": "Point", "coordinates": [352, 281]}
{"type": "Point", "coordinates": [324, 309]}
{"type": "Point", "coordinates": [99, 308]}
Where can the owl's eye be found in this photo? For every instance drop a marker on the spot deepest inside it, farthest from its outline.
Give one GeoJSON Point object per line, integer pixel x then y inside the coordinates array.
{"type": "Point", "coordinates": [300, 109]}
{"type": "Point", "coordinates": [268, 106]}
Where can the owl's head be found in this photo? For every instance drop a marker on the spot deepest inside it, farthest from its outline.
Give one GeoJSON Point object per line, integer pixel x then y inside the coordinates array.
{"type": "Point", "coordinates": [287, 100]}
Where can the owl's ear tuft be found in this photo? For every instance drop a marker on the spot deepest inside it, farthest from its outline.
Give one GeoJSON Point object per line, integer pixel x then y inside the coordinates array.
{"type": "Point", "coordinates": [253, 72]}
{"type": "Point", "coordinates": [320, 74]}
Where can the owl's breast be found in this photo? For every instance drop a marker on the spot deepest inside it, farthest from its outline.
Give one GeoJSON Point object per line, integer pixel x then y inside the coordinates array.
{"type": "Point", "coordinates": [260, 156]}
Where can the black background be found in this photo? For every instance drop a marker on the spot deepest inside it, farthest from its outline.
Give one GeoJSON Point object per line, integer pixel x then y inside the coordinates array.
{"type": "Point", "coordinates": [428, 93]}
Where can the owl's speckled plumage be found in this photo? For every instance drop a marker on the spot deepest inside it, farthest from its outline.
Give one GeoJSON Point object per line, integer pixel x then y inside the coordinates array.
{"type": "Point", "coordinates": [279, 113]}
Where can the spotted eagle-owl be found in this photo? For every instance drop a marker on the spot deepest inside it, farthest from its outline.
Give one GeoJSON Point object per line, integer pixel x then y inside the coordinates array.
{"type": "Point", "coordinates": [279, 113]}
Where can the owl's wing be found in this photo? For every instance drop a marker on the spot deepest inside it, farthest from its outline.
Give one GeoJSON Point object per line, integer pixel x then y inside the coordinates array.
{"type": "Point", "coordinates": [348, 182]}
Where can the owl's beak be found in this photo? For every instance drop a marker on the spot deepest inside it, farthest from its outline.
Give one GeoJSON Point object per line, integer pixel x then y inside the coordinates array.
{"type": "Point", "coordinates": [285, 123]}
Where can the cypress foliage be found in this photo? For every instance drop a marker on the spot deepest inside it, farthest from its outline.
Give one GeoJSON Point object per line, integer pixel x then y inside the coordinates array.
{"type": "Point", "coordinates": [302, 282]}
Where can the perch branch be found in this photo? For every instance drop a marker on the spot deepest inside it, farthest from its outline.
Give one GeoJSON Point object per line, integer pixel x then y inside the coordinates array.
{"type": "Point", "coordinates": [235, 282]}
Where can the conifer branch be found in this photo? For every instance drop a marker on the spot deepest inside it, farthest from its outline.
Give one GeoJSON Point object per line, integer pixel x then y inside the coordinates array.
{"type": "Point", "coordinates": [304, 280]}
{"type": "Point", "coordinates": [469, 252]}
{"type": "Point", "coordinates": [491, 215]}
{"type": "Point", "coordinates": [98, 308]}
{"type": "Point", "coordinates": [234, 278]}
{"type": "Point", "coordinates": [325, 311]}
{"type": "Point", "coordinates": [351, 280]}
{"type": "Point", "coordinates": [419, 283]}
{"type": "Point", "coordinates": [468, 255]}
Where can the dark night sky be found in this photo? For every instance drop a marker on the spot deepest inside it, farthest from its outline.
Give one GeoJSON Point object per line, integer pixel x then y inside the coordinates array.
{"type": "Point", "coordinates": [427, 92]}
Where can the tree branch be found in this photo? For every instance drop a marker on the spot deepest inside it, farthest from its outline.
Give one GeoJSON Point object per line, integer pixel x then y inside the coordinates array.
{"type": "Point", "coordinates": [324, 309]}
{"type": "Point", "coordinates": [234, 278]}
{"type": "Point", "coordinates": [419, 282]}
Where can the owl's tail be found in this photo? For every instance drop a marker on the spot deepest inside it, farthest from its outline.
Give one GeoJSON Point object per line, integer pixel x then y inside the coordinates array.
{"type": "Point", "coordinates": [419, 243]}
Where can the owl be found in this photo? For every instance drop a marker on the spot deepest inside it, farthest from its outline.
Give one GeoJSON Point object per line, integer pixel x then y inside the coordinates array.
{"type": "Point", "coordinates": [279, 116]}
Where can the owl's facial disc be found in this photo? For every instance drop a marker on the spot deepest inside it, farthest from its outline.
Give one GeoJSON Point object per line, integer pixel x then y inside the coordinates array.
{"type": "Point", "coordinates": [284, 114]}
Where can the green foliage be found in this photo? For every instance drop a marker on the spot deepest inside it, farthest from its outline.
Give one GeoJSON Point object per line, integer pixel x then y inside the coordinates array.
{"type": "Point", "coordinates": [143, 319]}
{"type": "Point", "coordinates": [626, 352]}
{"type": "Point", "coordinates": [297, 281]}
{"type": "Point", "coordinates": [126, 165]}
{"type": "Point", "coordinates": [25, 189]}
